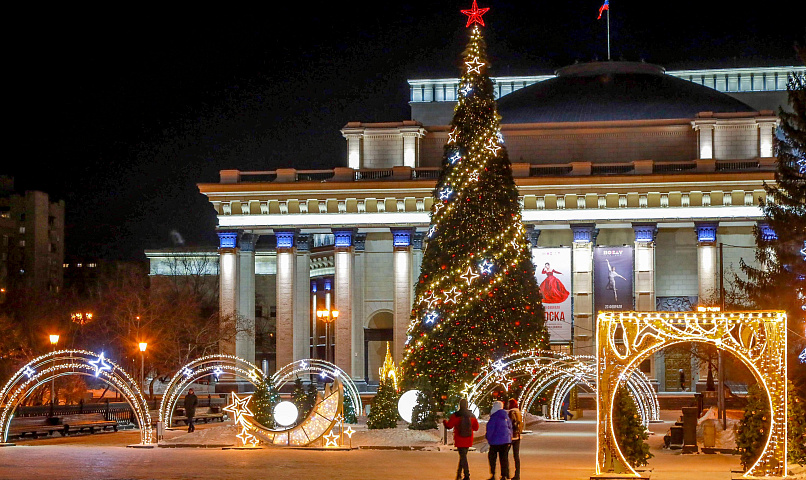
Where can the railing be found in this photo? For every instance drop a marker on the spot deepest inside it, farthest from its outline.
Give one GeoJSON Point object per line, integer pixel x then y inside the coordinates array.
{"type": "Point", "coordinates": [120, 412]}
{"type": "Point", "coordinates": [519, 170]}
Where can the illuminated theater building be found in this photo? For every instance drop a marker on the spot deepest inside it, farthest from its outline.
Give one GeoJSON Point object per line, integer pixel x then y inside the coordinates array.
{"type": "Point", "coordinates": [629, 177]}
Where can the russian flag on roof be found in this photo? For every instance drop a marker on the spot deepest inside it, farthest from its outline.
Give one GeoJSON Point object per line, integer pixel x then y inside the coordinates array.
{"type": "Point", "coordinates": [605, 6]}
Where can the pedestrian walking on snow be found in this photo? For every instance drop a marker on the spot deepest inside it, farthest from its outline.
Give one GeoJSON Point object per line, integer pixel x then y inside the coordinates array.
{"type": "Point", "coordinates": [516, 418]}
{"type": "Point", "coordinates": [463, 423]}
{"type": "Point", "coordinates": [499, 436]}
{"type": "Point", "coordinates": [190, 409]}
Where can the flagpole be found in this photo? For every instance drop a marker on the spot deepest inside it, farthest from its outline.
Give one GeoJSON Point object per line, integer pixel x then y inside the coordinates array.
{"type": "Point", "coordinates": [608, 34]}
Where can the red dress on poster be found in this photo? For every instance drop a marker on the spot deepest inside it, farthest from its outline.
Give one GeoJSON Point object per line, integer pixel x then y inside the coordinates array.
{"type": "Point", "coordinates": [552, 288]}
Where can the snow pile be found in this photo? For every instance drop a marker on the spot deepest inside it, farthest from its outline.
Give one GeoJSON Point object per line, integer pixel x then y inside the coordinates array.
{"type": "Point", "coordinates": [396, 437]}
{"type": "Point", "coordinates": [725, 438]}
{"type": "Point", "coordinates": [219, 435]}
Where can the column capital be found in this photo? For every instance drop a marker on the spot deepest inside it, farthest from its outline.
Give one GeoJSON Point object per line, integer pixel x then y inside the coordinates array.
{"type": "Point", "coordinates": [706, 231]}
{"type": "Point", "coordinates": [767, 232]}
{"type": "Point", "coordinates": [417, 240]}
{"type": "Point", "coordinates": [303, 242]}
{"type": "Point", "coordinates": [401, 236]}
{"type": "Point", "coordinates": [645, 232]}
{"type": "Point", "coordinates": [584, 232]}
{"type": "Point", "coordinates": [344, 237]}
{"type": "Point", "coordinates": [248, 241]}
{"type": "Point", "coordinates": [359, 241]}
{"type": "Point", "coordinates": [228, 240]}
{"type": "Point", "coordinates": [285, 238]}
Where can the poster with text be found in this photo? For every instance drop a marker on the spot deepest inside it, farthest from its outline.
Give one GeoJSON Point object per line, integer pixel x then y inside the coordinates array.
{"type": "Point", "coordinates": [553, 272]}
{"type": "Point", "coordinates": [612, 278]}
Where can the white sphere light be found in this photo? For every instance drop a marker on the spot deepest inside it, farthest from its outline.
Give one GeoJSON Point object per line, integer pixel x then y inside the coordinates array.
{"type": "Point", "coordinates": [285, 413]}
{"type": "Point", "coordinates": [405, 406]}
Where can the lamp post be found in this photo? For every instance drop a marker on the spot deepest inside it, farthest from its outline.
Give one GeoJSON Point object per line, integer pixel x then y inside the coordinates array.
{"type": "Point", "coordinates": [54, 339]}
{"type": "Point", "coordinates": [142, 346]}
{"type": "Point", "coordinates": [327, 316]}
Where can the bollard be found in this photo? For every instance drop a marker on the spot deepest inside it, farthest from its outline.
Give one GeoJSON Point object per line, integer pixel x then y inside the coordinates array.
{"type": "Point", "coordinates": [709, 434]}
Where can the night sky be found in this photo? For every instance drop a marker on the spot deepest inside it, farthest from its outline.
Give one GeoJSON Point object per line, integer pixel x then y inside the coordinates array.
{"type": "Point", "coordinates": [122, 112]}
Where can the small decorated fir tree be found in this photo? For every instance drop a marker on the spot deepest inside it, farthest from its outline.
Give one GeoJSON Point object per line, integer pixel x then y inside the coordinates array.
{"type": "Point", "coordinates": [349, 410]}
{"type": "Point", "coordinates": [424, 413]}
{"type": "Point", "coordinates": [304, 397]}
{"type": "Point", "coordinates": [797, 427]}
{"type": "Point", "coordinates": [263, 402]}
{"type": "Point", "coordinates": [751, 432]}
{"type": "Point", "coordinates": [383, 413]}
{"type": "Point", "coordinates": [630, 432]}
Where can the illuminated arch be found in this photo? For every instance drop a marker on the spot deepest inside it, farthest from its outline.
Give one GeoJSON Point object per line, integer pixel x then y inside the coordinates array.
{"type": "Point", "coordinates": [757, 339]}
{"type": "Point", "coordinates": [201, 367]}
{"type": "Point", "coordinates": [325, 370]}
{"type": "Point", "coordinates": [72, 362]}
{"type": "Point", "coordinates": [543, 369]}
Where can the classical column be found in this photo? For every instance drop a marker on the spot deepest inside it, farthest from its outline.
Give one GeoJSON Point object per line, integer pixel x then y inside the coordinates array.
{"type": "Point", "coordinates": [302, 297]}
{"type": "Point", "coordinates": [357, 306]}
{"type": "Point", "coordinates": [707, 262]}
{"type": "Point", "coordinates": [245, 340]}
{"type": "Point", "coordinates": [645, 234]}
{"type": "Point", "coordinates": [285, 287]}
{"type": "Point", "coordinates": [584, 236]}
{"type": "Point", "coordinates": [343, 260]}
{"type": "Point", "coordinates": [401, 275]}
{"type": "Point", "coordinates": [229, 291]}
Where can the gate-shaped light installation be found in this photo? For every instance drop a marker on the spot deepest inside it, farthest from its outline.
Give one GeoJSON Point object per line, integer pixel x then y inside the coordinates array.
{"type": "Point", "coordinates": [72, 362]}
{"type": "Point", "coordinates": [757, 339]}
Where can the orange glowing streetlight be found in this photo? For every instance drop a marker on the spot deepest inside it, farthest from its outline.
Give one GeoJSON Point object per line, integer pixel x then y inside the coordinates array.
{"type": "Point", "coordinates": [328, 316]}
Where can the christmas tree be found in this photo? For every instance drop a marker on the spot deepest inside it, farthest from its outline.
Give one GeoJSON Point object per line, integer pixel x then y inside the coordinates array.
{"type": "Point", "coordinates": [780, 281]}
{"type": "Point", "coordinates": [263, 402]}
{"type": "Point", "coordinates": [383, 412]}
{"type": "Point", "coordinates": [349, 410]}
{"type": "Point", "coordinates": [304, 397]}
{"type": "Point", "coordinates": [424, 413]}
{"type": "Point", "coordinates": [477, 298]}
{"type": "Point", "coordinates": [796, 428]}
{"type": "Point", "coordinates": [751, 432]}
{"type": "Point", "coordinates": [629, 430]}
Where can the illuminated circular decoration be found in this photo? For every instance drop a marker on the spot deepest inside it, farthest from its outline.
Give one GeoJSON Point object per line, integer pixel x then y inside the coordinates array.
{"type": "Point", "coordinates": [326, 371]}
{"type": "Point", "coordinates": [285, 413]}
{"type": "Point", "coordinates": [72, 362]}
{"type": "Point", "coordinates": [757, 339]}
{"type": "Point", "coordinates": [216, 365]}
{"type": "Point", "coordinates": [406, 404]}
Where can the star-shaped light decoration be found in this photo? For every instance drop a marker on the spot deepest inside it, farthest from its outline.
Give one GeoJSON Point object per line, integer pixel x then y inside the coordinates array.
{"type": "Point", "coordinates": [246, 437]}
{"type": "Point", "coordinates": [187, 372]}
{"type": "Point", "coordinates": [254, 376]}
{"type": "Point", "coordinates": [217, 372]}
{"type": "Point", "coordinates": [437, 207]}
{"type": "Point", "coordinates": [486, 267]}
{"type": "Point", "coordinates": [492, 146]}
{"type": "Point", "coordinates": [455, 158]}
{"type": "Point", "coordinates": [469, 276]}
{"type": "Point", "coordinates": [331, 439]}
{"type": "Point", "coordinates": [473, 177]}
{"type": "Point", "coordinates": [452, 295]}
{"type": "Point", "coordinates": [499, 366]}
{"type": "Point", "coordinates": [474, 15]}
{"type": "Point", "coordinates": [431, 230]}
{"type": "Point", "coordinates": [349, 431]}
{"type": "Point", "coordinates": [303, 364]}
{"type": "Point", "coordinates": [466, 89]}
{"type": "Point", "coordinates": [500, 137]}
{"type": "Point", "coordinates": [100, 365]}
{"type": "Point", "coordinates": [508, 383]}
{"type": "Point", "coordinates": [474, 66]}
{"type": "Point", "coordinates": [28, 371]}
{"type": "Point", "coordinates": [408, 339]}
{"type": "Point", "coordinates": [445, 193]}
{"type": "Point", "coordinates": [431, 317]}
{"type": "Point", "coordinates": [239, 408]}
{"type": "Point", "coordinates": [452, 135]}
{"type": "Point", "coordinates": [467, 388]}
{"type": "Point", "coordinates": [323, 374]}
{"type": "Point", "coordinates": [431, 299]}
{"type": "Point", "coordinates": [802, 356]}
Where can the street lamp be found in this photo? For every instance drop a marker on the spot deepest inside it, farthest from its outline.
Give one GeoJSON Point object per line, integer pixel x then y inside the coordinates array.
{"type": "Point", "coordinates": [327, 316]}
{"type": "Point", "coordinates": [142, 346]}
{"type": "Point", "coordinates": [54, 339]}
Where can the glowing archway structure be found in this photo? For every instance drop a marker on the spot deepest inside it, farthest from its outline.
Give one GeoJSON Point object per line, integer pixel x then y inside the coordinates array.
{"type": "Point", "coordinates": [72, 362]}
{"type": "Point", "coordinates": [757, 339]}
{"type": "Point", "coordinates": [544, 369]}
{"type": "Point", "coordinates": [325, 370]}
{"type": "Point", "coordinates": [209, 365]}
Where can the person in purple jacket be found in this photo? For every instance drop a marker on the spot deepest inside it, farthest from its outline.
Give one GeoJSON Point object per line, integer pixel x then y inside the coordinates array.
{"type": "Point", "coordinates": [499, 436]}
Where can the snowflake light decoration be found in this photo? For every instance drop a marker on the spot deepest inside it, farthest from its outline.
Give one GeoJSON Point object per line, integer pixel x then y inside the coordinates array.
{"type": "Point", "coordinates": [466, 89]}
{"type": "Point", "coordinates": [28, 371]}
{"type": "Point", "coordinates": [431, 230]}
{"type": "Point", "coordinates": [100, 364]}
{"type": "Point", "coordinates": [456, 157]}
{"type": "Point", "coordinates": [217, 372]}
{"type": "Point", "coordinates": [469, 276]}
{"type": "Point", "coordinates": [187, 372]}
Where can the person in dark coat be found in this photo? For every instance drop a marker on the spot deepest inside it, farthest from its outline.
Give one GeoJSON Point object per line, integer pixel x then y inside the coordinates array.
{"type": "Point", "coordinates": [190, 409]}
{"type": "Point", "coordinates": [499, 436]}
{"type": "Point", "coordinates": [516, 417]}
{"type": "Point", "coordinates": [463, 423]}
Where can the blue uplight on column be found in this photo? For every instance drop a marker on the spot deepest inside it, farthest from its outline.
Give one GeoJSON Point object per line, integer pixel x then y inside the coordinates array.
{"type": "Point", "coordinates": [706, 231]}
{"type": "Point", "coordinates": [645, 233]}
{"type": "Point", "coordinates": [227, 239]}
{"type": "Point", "coordinates": [767, 233]}
{"type": "Point", "coordinates": [584, 232]}
{"type": "Point", "coordinates": [401, 237]}
{"type": "Point", "coordinates": [343, 238]}
{"type": "Point", "coordinates": [285, 238]}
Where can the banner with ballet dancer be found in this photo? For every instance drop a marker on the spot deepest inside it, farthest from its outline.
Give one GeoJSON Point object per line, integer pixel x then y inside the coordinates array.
{"type": "Point", "coordinates": [612, 278]}
{"type": "Point", "coordinates": [553, 272]}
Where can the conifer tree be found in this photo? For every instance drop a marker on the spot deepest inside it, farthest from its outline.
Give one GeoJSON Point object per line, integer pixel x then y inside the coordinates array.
{"type": "Point", "coordinates": [780, 281]}
{"type": "Point", "coordinates": [629, 430]}
{"type": "Point", "coordinates": [751, 432]}
{"type": "Point", "coordinates": [304, 397]}
{"type": "Point", "coordinates": [263, 402]}
{"type": "Point", "coordinates": [383, 412]}
{"type": "Point", "coordinates": [477, 297]}
{"type": "Point", "coordinates": [424, 413]}
{"type": "Point", "coordinates": [797, 427]}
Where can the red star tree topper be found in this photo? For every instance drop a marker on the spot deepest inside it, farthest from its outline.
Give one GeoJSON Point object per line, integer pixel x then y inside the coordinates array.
{"type": "Point", "coordinates": [474, 15]}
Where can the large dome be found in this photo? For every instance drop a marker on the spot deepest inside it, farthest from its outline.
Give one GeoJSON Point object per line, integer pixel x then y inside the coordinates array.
{"type": "Point", "coordinates": [607, 91]}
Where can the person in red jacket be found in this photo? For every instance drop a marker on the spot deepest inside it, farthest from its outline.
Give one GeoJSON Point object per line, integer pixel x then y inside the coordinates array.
{"type": "Point", "coordinates": [463, 423]}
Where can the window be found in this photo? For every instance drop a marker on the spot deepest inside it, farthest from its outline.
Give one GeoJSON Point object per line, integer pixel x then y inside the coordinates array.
{"type": "Point", "coordinates": [22, 243]}
{"type": "Point", "coordinates": [22, 229]}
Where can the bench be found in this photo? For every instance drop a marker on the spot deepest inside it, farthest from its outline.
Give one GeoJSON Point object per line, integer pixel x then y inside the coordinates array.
{"type": "Point", "coordinates": [210, 415]}
{"type": "Point", "coordinates": [33, 426]}
{"type": "Point", "coordinates": [87, 422]}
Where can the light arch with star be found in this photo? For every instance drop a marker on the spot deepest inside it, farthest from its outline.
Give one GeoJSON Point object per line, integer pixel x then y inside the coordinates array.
{"type": "Point", "coordinates": [63, 363]}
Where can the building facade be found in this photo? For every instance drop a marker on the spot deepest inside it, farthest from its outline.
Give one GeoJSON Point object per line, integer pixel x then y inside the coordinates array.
{"type": "Point", "coordinates": [640, 190]}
